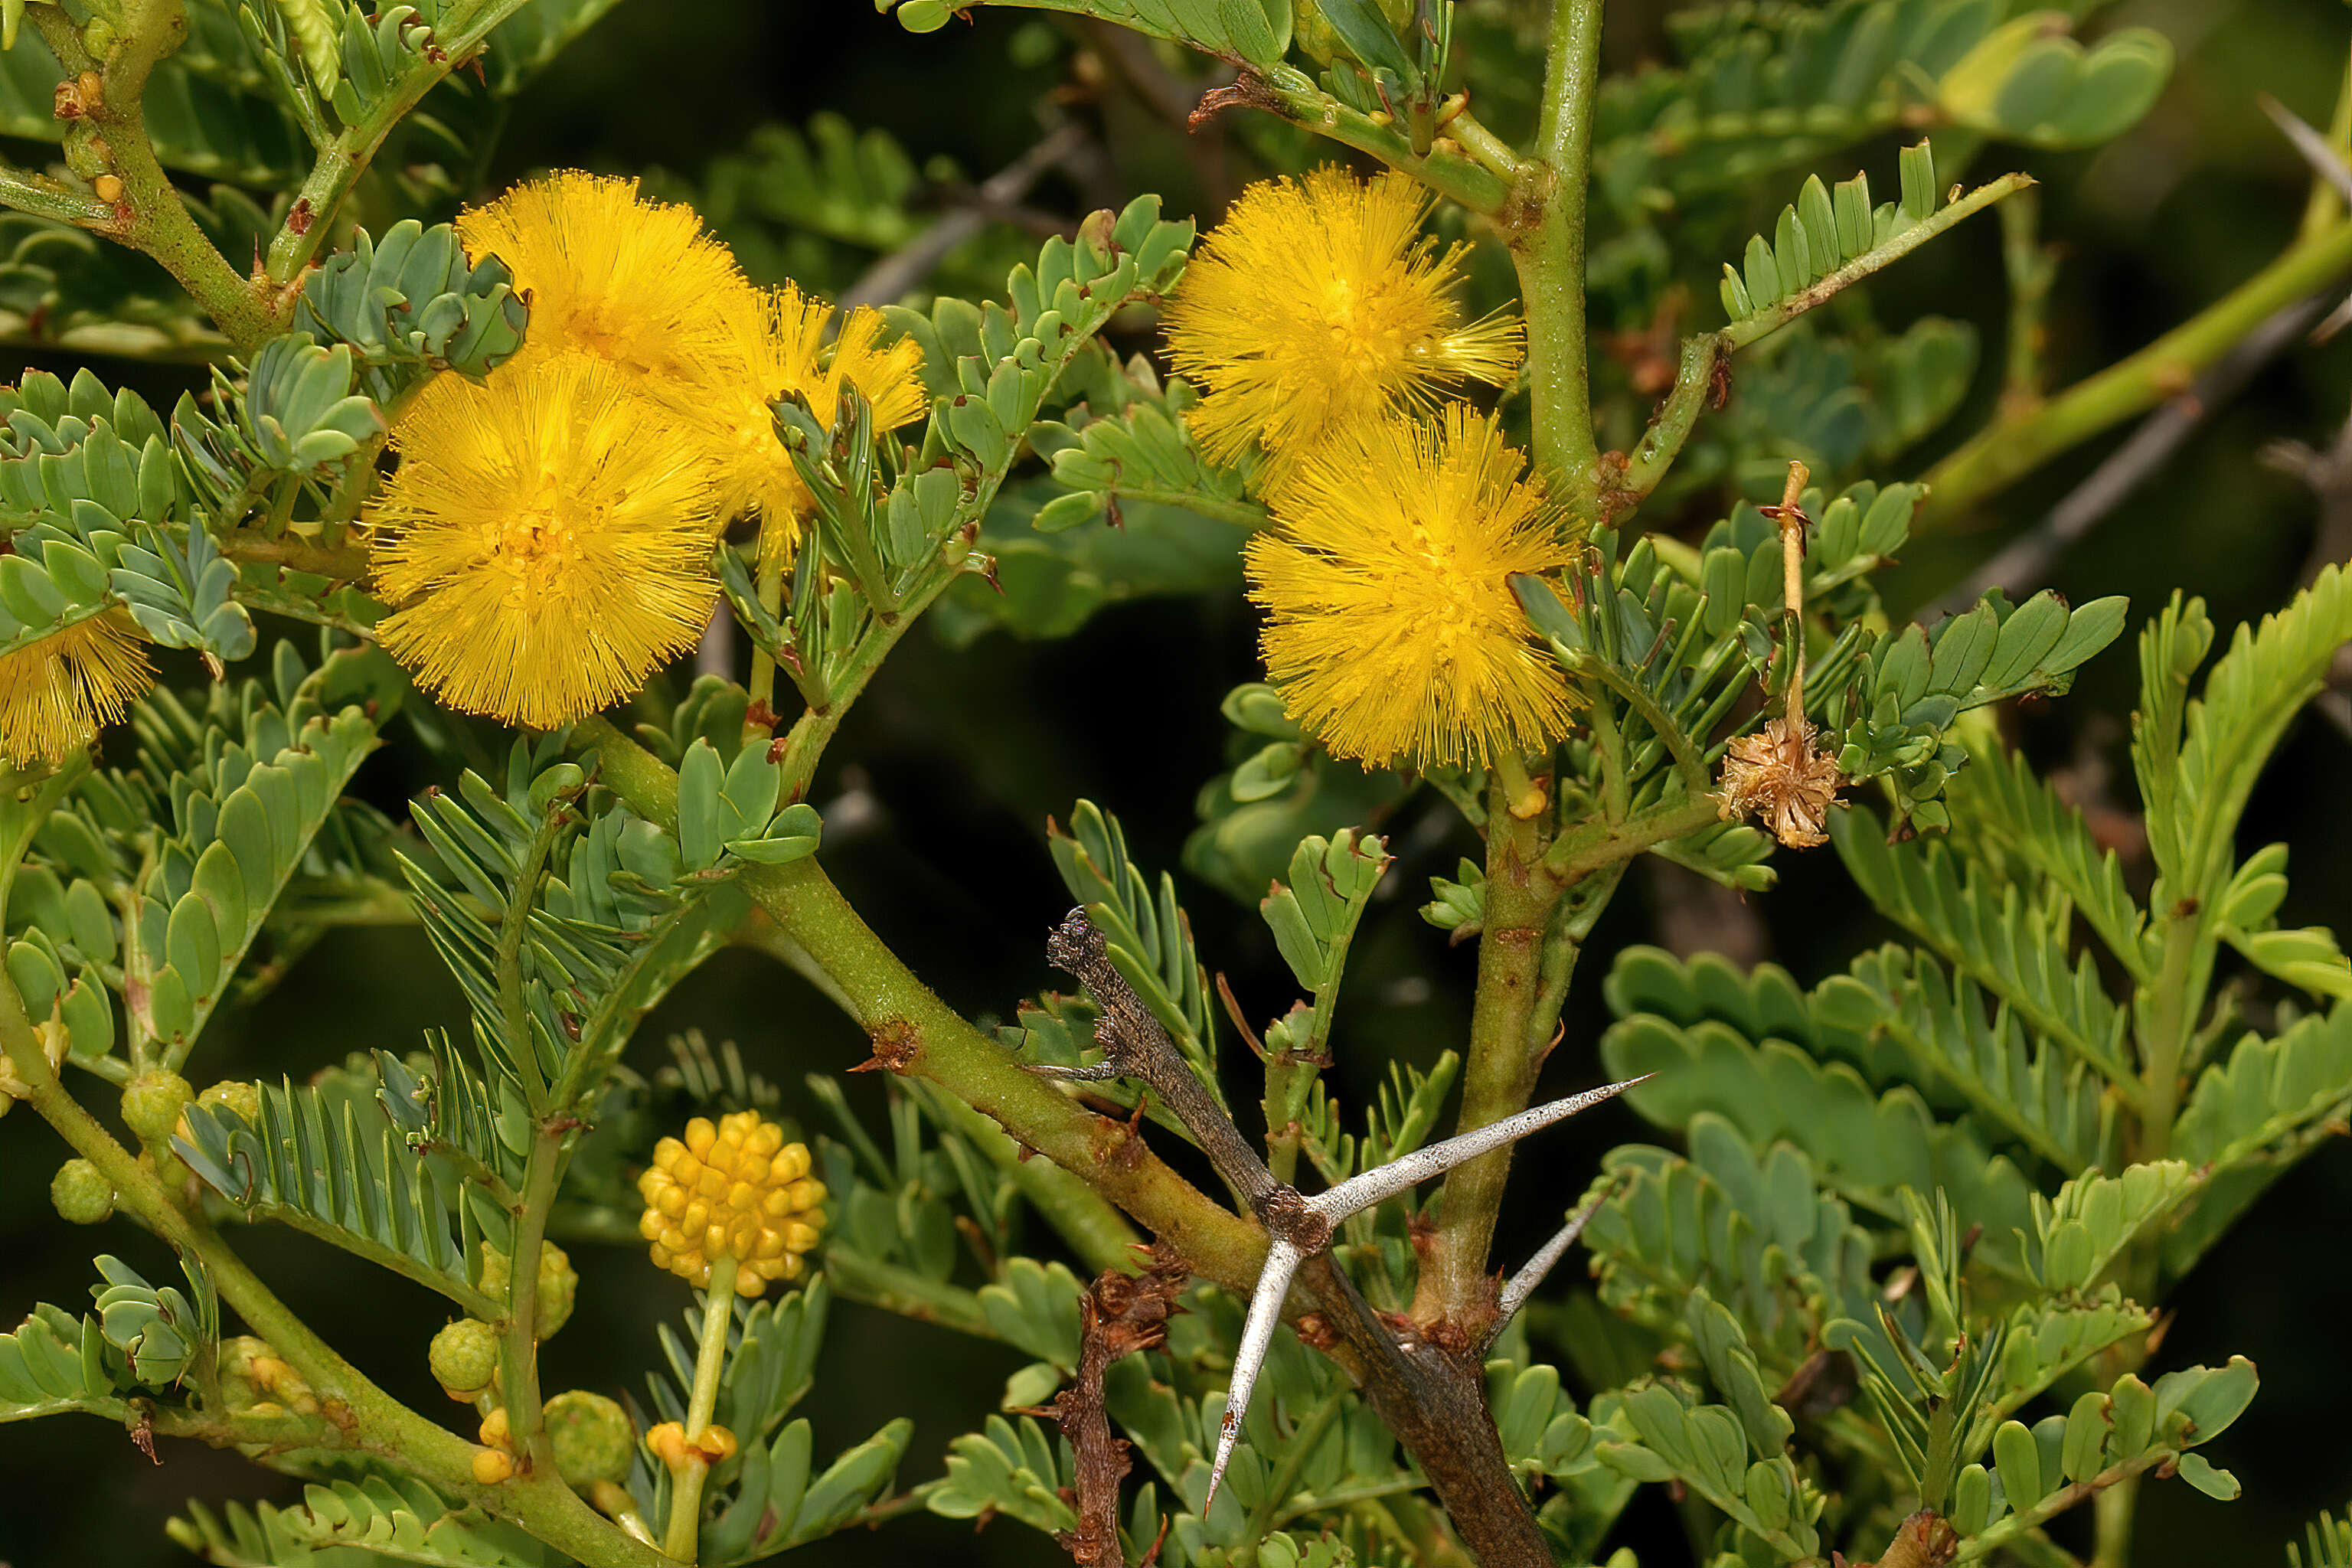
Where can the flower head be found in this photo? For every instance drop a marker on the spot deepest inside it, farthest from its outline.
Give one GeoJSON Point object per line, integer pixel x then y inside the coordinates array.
{"type": "Point", "coordinates": [782, 349]}
{"type": "Point", "coordinates": [736, 1190]}
{"type": "Point", "coordinates": [1318, 302]}
{"type": "Point", "coordinates": [1392, 629]}
{"type": "Point", "coordinates": [548, 541]}
{"type": "Point", "coordinates": [638, 283]}
{"type": "Point", "coordinates": [57, 693]}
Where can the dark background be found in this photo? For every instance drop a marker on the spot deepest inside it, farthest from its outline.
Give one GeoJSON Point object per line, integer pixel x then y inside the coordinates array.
{"type": "Point", "coordinates": [959, 755]}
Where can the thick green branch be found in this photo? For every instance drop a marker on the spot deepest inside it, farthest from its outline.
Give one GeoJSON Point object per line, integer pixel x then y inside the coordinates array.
{"type": "Point", "coordinates": [147, 212]}
{"type": "Point", "coordinates": [1549, 251]}
{"type": "Point", "coordinates": [2010, 450]}
{"type": "Point", "coordinates": [917, 1035]}
{"type": "Point", "coordinates": [1499, 1069]}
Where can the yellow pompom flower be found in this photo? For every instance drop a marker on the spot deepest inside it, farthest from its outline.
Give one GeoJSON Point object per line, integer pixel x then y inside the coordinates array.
{"type": "Point", "coordinates": [546, 540]}
{"type": "Point", "coordinates": [736, 1190]}
{"type": "Point", "coordinates": [58, 692]}
{"type": "Point", "coordinates": [783, 349]}
{"type": "Point", "coordinates": [1318, 302]}
{"type": "Point", "coordinates": [639, 284]}
{"type": "Point", "coordinates": [1393, 630]}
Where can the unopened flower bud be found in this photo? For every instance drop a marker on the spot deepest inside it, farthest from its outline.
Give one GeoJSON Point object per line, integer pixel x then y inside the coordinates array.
{"type": "Point", "coordinates": [592, 1439]}
{"type": "Point", "coordinates": [152, 1103]}
{"type": "Point", "coordinates": [491, 1467]}
{"type": "Point", "coordinates": [82, 1192]}
{"type": "Point", "coordinates": [559, 1284]}
{"type": "Point", "coordinates": [464, 1358]}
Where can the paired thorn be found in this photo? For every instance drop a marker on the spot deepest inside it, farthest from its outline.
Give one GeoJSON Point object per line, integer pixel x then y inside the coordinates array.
{"type": "Point", "coordinates": [1531, 1274]}
{"type": "Point", "coordinates": [1303, 1227]}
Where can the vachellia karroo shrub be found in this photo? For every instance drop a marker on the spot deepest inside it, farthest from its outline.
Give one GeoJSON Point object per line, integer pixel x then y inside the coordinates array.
{"type": "Point", "coordinates": [1890, 1286]}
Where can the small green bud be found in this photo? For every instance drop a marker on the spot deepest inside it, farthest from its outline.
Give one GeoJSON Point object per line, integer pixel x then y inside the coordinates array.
{"type": "Point", "coordinates": [152, 1104]}
{"type": "Point", "coordinates": [558, 1284]}
{"type": "Point", "coordinates": [464, 1358]}
{"type": "Point", "coordinates": [81, 1194]}
{"type": "Point", "coordinates": [97, 36]}
{"type": "Point", "coordinates": [234, 1094]}
{"type": "Point", "coordinates": [592, 1439]}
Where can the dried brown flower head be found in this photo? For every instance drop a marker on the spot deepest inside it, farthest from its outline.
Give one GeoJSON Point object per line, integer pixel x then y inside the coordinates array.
{"type": "Point", "coordinates": [1777, 774]}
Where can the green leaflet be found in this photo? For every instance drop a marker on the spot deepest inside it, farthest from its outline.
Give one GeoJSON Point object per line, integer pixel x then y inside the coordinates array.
{"type": "Point", "coordinates": [409, 303]}
{"type": "Point", "coordinates": [2268, 674]}
{"type": "Point", "coordinates": [1142, 452]}
{"type": "Point", "coordinates": [1758, 1234]}
{"type": "Point", "coordinates": [56, 1362]}
{"type": "Point", "coordinates": [612, 917]}
{"type": "Point", "coordinates": [1312, 914]}
{"type": "Point", "coordinates": [1762, 89]}
{"type": "Point", "coordinates": [244, 817]}
{"type": "Point", "coordinates": [326, 1160]}
{"type": "Point", "coordinates": [1867, 1146]}
{"type": "Point", "coordinates": [2016, 951]}
{"type": "Point", "coordinates": [398, 1519]}
{"type": "Point", "coordinates": [1825, 242]}
{"type": "Point", "coordinates": [1657, 1434]}
{"type": "Point", "coordinates": [2004, 798]}
{"type": "Point", "coordinates": [2130, 1427]}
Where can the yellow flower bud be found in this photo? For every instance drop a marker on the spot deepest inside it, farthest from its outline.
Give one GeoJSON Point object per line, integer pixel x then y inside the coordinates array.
{"type": "Point", "coordinates": [733, 1189]}
{"type": "Point", "coordinates": [491, 1467]}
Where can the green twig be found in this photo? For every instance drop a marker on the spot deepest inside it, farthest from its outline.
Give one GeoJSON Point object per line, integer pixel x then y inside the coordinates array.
{"type": "Point", "coordinates": [709, 1358]}
{"type": "Point", "coordinates": [1778, 315]}
{"type": "Point", "coordinates": [1455, 177]}
{"type": "Point", "coordinates": [2009, 449]}
{"type": "Point", "coordinates": [1549, 252]}
{"type": "Point", "coordinates": [149, 214]}
{"type": "Point", "coordinates": [916, 1034]}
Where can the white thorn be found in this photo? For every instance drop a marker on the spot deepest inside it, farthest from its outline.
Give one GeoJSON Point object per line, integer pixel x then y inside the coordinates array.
{"type": "Point", "coordinates": [1361, 1192]}
{"type": "Point", "coordinates": [1282, 1261]}
{"type": "Point", "coordinates": [1523, 1284]}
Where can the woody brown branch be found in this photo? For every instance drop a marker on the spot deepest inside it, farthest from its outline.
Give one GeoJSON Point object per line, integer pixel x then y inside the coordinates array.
{"type": "Point", "coordinates": [1120, 1314]}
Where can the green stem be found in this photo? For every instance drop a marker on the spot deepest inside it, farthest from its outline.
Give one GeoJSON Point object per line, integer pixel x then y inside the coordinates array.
{"type": "Point", "coordinates": [150, 214]}
{"type": "Point", "coordinates": [915, 1032]}
{"type": "Point", "coordinates": [1302, 1442]}
{"type": "Point", "coordinates": [342, 160]}
{"type": "Point", "coordinates": [858, 1277]}
{"type": "Point", "coordinates": [1601, 843]}
{"type": "Point", "coordinates": [709, 1358]}
{"type": "Point", "coordinates": [514, 926]}
{"type": "Point", "coordinates": [1458, 178]}
{"type": "Point", "coordinates": [371, 1420]}
{"type": "Point", "coordinates": [45, 197]}
{"type": "Point", "coordinates": [519, 1367]}
{"type": "Point", "coordinates": [1499, 1070]}
{"type": "Point", "coordinates": [2164, 1036]}
{"type": "Point", "coordinates": [1671, 427]}
{"type": "Point", "coordinates": [2009, 449]}
{"type": "Point", "coordinates": [1549, 255]}
{"type": "Point", "coordinates": [347, 564]}
{"type": "Point", "coordinates": [2113, 1512]}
